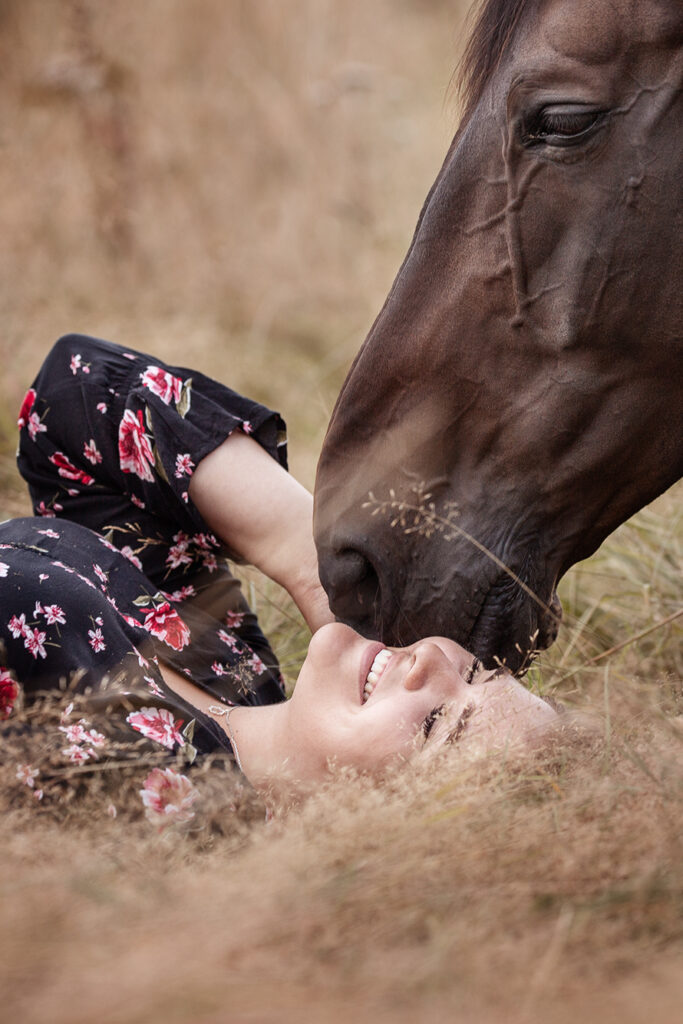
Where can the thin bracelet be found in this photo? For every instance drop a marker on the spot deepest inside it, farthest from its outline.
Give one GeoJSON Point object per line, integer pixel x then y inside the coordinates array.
{"type": "Point", "coordinates": [217, 710]}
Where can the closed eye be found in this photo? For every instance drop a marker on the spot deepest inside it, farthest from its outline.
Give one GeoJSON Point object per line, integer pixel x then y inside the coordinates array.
{"type": "Point", "coordinates": [455, 734]}
{"type": "Point", "coordinates": [430, 719]}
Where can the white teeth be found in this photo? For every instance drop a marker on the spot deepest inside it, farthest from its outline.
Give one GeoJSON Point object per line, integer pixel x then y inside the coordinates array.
{"type": "Point", "coordinates": [378, 665]}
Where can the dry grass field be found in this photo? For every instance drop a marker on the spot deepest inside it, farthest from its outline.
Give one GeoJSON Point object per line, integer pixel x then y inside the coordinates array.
{"type": "Point", "coordinates": [231, 184]}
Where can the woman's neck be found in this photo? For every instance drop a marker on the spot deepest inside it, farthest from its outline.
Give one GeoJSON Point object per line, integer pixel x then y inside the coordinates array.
{"type": "Point", "coordinates": [258, 735]}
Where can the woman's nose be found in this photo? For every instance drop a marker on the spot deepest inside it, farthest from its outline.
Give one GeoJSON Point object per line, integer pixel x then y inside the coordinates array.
{"type": "Point", "coordinates": [427, 660]}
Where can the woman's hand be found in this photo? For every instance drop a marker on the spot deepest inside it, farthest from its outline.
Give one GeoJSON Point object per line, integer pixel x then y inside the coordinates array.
{"type": "Point", "coordinates": [265, 516]}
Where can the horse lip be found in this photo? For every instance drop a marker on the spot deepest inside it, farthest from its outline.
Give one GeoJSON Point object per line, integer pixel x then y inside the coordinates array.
{"type": "Point", "coordinates": [549, 623]}
{"type": "Point", "coordinates": [530, 627]}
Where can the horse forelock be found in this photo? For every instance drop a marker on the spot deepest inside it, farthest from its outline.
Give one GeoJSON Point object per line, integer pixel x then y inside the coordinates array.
{"type": "Point", "coordinates": [494, 28]}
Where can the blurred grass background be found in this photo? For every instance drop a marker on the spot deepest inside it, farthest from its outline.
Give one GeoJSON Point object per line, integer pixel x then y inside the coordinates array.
{"type": "Point", "coordinates": [232, 184]}
{"type": "Point", "coordinates": [222, 182]}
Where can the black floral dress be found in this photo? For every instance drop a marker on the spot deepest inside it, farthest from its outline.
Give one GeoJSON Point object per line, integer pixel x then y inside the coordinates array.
{"type": "Point", "coordinates": [117, 571]}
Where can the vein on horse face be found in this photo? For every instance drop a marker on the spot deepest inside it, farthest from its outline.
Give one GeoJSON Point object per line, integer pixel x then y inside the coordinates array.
{"type": "Point", "coordinates": [516, 193]}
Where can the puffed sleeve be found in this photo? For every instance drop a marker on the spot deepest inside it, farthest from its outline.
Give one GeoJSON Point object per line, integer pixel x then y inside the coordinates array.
{"type": "Point", "coordinates": [107, 431]}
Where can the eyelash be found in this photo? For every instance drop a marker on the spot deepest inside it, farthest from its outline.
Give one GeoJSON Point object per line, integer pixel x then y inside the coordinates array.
{"type": "Point", "coordinates": [561, 127]}
{"type": "Point", "coordinates": [430, 720]}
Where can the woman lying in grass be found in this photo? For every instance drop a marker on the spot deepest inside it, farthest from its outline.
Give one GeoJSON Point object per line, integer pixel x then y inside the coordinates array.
{"type": "Point", "coordinates": [144, 478]}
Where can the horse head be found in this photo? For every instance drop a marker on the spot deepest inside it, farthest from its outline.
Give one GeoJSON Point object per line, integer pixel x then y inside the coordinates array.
{"type": "Point", "coordinates": [519, 394]}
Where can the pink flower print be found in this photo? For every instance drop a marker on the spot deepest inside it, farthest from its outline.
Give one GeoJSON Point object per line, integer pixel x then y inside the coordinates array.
{"type": "Point", "coordinates": [66, 568]}
{"type": "Point", "coordinates": [101, 407]}
{"type": "Point", "coordinates": [157, 724]}
{"type": "Point", "coordinates": [87, 582]}
{"type": "Point", "coordinates": [4, 568]}
{"type": "Point", "coordinates": [27, 774]}
{"type": "Point", "coordinates": [94, 738]}
{"type": "Point", "coordinates": [38, 794]}
{"type": "Point", "coordinates": [142, 662]}
{"type": "Point", "coordinates": [205, 541]}
{"type": "Point", "coordinates": [35, 426]}
{"type": "Point", "coordinates": [182, 594]}
{"type": "Point", "coordinates": [135, 446]}
{"type": "Point", "coordinates": [69, 471]}
{"type": "Point", "coordinates": [168, 797]}
{"type": "Point", "coordinates": [185, 496]}
{"type": "Point", "coordinates": [107, 544]}
{"type": "Point", "coordinates": [77, 364]}
{"type": "Point", "coordinates": [162, 384]}
{"type": "Point", "coordinates": [17, 625]}
{"type": "Point", "coordinates": [44, 576]}
{"type": "Point", "coordinates": [76, 754]}
{"type": "Point", "coordinates": [92, 452]}
{"type": "Point", "coordinates": [228, 639]}
{"type": "Point", "coordinates": [255, 664]}
{"type": "Point", "coordinates": [218, 669]}
{"type": "Point", "coordinates": [111, 810]}
{"type": "Point", "coordinates": [38, 610]}
{"type": "Point", "coordinates": [129, 355]}
{"type": "Point", "coordinates": [96, 640]}
{"type": "Point", "coordinates": [99, 620]}
{"type": "Point", "coordinates": [128, 553]}
{"type": "Point", "coordinates": [178, 555]}
{"type": "Point", "coordinates": [79, 736]}
{"type": "Point", "coordinates": [99, 572]}
{"type": "Point", "coordinates": [75, 733]}
{"type": "Point", "coordinates": [26, 406]}
{"type": "Point", "coordinates": [66, 712]}
{"type": "Point", "coordinates": [183, 465]}
{"type": "Point", "coordinates": [33, 642]}
{"type": "Point", "coordinates": [137, 501]}
{"type": "Point", "coordinates": [234, 619]}
{"type": "Point", "coordinates": [210, 562]}
{"type": "Point", "coordinates": [247, 427]}
{"type": "Point", "coordinates": [9, 691]}
{"type": "Point", "coordinates": [165, 623]}
{"type": "Point", "coordinates": [54, 614]}
{"type": "Point", "coordinates": [153, 686]}
{"type": "Point", "coordinates": [49, 533]}
{"type": "Point", "coordinates": [43, 510]}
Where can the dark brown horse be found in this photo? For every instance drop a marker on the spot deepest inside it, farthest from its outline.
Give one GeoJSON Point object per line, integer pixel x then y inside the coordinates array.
{"type": "Point", "coordinates": [523, 383]}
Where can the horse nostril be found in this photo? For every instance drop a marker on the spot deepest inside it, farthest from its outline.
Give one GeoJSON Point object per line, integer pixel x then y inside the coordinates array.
{"type": "Point", "coordinates": [352, 585]}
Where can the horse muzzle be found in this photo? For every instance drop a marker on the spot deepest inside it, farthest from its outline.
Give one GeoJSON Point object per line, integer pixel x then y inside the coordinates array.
{"type": "Point", "coordinates": [497, 620]}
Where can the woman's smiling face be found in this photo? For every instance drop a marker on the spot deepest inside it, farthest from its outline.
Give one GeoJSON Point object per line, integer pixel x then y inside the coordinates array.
{"type": "Point", "coordinates": [415, 698]}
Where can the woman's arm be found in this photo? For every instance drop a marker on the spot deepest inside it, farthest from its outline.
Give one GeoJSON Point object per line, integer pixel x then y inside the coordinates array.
{"type": "Point", "coordinates": [265, 516]}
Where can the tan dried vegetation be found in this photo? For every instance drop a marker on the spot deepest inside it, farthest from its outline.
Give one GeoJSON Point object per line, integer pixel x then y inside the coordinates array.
{"type": "Point", "coordinates": [231, 184]}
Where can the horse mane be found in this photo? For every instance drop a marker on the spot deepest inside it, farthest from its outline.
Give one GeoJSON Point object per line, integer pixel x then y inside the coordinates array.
{"type": "Point", "coordinates": [489, 40]}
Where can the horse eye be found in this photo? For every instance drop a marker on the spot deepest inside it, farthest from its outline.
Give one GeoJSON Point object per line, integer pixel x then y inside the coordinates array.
{"type": "Point", "coordinates": [560, 125]}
